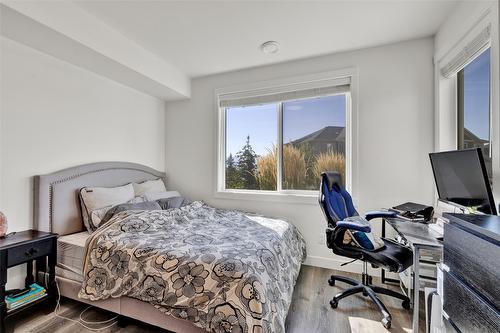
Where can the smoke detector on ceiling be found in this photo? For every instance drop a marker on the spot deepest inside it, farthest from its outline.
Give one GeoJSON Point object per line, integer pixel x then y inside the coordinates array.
{"type": "Point", "coordinates": [270, 47]}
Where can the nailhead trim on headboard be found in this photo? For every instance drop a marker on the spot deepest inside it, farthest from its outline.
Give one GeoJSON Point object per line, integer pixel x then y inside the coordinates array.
{"type": "Point", "coordinates": [59, 181]}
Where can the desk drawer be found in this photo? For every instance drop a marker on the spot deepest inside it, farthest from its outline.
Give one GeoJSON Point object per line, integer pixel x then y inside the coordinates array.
{"type": "Point", "coordinates": [469, 312]}
{"type": "Point", "coordinates": [28, 252]}
{"type": "Point", "coordinates": [474, 260]}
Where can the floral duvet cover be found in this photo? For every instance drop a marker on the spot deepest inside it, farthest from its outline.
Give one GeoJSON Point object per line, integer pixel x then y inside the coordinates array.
{"type": "Point", "coordinates": [223, 270]}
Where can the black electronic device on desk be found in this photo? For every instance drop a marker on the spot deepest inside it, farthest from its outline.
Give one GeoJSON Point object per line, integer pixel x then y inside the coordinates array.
{"type": "Point", "coordinates": [462, 179]}
{"type": "Point", "coordinates": [414, 212]}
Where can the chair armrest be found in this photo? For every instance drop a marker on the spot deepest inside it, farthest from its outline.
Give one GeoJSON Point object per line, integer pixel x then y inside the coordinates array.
{"type": "Point", "coordinates": [376, 214]}
{"type": "Point", "coordinates": [355, 223]}
{"type": "Point", "coordinates": [379, 214]}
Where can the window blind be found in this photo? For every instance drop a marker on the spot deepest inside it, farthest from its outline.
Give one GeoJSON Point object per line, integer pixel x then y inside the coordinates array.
{"type": "Point", "coordinates": [468, 53]}
{"type": "Point", "coordinates": [285, 93]}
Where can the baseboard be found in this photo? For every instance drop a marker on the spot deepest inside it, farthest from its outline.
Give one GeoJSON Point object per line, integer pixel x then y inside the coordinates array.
{"type": "Point", "coordinates": [354, 267]}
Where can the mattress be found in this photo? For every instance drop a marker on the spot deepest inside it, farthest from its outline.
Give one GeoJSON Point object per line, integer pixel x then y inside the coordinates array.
{"type": "Point", "coordinates": [70, 255]}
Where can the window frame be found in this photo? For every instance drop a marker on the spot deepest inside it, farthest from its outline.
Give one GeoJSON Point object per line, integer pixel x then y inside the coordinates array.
{"type": "Point", "coordinates": [281, 195]}
{"type": "Point", "coordinates": [460, 108]}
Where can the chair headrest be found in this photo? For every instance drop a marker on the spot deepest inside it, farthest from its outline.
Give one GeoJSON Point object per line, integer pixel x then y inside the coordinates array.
{"type": "Point", "coordinates": [332, 179]}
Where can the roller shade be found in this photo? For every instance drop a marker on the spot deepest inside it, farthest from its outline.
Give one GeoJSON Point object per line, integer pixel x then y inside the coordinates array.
{"type": "Point", "coordinates": [469, 52]}
{"type": "Point", "coordinates": [285, 93]}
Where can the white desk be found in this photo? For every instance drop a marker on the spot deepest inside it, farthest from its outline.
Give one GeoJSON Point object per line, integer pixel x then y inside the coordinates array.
{"type": "Point", "coordinates": [419, 237]}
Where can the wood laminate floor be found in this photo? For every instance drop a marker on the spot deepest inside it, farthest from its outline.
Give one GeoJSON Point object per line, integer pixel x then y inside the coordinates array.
{"type": "Point", "coordinates": [309, 312]}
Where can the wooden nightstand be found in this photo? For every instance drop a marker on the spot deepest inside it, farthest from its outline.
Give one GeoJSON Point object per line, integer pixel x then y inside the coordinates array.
{"type": "Point", "coordinates": [25, 247]}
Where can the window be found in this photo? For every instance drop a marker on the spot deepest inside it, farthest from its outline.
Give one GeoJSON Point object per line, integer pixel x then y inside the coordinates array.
{"type": "Point", "coordinates": [251, 141]}
{"type": "Point", "coordinates": [474, 111]}
{"type": "Point", "coordinates": [313, 140]}
{"type": "Point", "coordinates": [282, 142]}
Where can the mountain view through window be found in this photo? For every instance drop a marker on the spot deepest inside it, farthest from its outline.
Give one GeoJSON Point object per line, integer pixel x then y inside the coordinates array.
{"type": "Point", "coordinates": [314, 140]}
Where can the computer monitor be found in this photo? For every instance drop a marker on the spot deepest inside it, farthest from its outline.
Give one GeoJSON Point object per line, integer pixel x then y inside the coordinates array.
{"type": "Point", "coordinates": [461, 178]}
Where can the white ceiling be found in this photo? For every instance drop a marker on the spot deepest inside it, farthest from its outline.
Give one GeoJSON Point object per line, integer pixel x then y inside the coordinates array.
{"type": "Point", "coordinates": [207, 37]}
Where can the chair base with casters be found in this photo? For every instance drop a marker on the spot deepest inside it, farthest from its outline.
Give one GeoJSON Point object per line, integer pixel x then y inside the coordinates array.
{"type": "Point", "coordinates": [365, 286]}
{"type": "Point", "coordinates": [349, 235]}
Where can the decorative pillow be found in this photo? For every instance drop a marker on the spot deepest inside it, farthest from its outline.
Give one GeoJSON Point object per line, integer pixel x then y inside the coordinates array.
{"type": "Point", "coordinates": [174, 202]}
{"type": "Point", "coordinates": [358, 233]}
{"type": "Point", "coordinates": [366, 240]}
{"type": "Point", "coordinates": [97, 215]}
{"type": "Point", "coordinates": [161, 195]}
{"type": "Point", "coordinates": [152, 205]}
{"type": "Point", "coordinates": [96, 198]}
{"type": "Point", "coordinates": [137, 200]}
{"type": "Point", "coordinates": [149, 186]}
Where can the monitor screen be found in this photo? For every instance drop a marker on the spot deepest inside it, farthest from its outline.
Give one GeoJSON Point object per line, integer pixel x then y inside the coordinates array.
{"type": "Point", "coordinates": [461, 178]}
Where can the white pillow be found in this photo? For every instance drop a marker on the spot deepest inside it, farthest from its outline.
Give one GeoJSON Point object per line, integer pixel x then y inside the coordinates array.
{"type": "Point", "coordinates": [161, 195]}
{"type": "Point", "coordinates": [149, 186]}
{"type": "Point", "coordinates": [95, 198]}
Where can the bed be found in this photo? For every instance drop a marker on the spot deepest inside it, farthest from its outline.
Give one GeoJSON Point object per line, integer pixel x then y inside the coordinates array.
{"type": "Point", "coordinates": [191, 269]}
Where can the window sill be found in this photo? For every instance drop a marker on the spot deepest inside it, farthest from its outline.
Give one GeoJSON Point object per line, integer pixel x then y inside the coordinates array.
{"type": "Point", "coordinates": [287, 198]}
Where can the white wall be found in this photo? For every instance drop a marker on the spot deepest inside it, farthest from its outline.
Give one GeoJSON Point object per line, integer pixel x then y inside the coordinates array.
{"type": "Point", "coordinates": [395, 123]}
{"type": "Point", "coordinates": [55, 115]}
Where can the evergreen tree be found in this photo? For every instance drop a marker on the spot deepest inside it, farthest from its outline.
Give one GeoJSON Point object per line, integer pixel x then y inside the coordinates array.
{"type": "Point", "coordinates": [247, 165]}
{"type": "Point", "coordinates": [233, 179]}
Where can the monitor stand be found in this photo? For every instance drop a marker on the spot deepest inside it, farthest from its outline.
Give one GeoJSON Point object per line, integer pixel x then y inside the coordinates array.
{"type": "Point", "coordinates": [442, 207]}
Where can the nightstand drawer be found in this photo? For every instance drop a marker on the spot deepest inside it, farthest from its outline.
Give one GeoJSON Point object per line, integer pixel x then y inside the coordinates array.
{"type": "Point", "coordinates": [23, 253]}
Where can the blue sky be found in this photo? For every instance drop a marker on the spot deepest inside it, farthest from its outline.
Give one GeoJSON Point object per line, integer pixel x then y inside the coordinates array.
{"type": "Point", "coordinates": [476, 96]}
{"type": "Point", "coordinates": [300, 118]}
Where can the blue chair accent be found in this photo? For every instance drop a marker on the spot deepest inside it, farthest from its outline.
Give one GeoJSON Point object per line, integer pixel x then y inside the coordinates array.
{"type": "Point", "coordinates": [337, 206]}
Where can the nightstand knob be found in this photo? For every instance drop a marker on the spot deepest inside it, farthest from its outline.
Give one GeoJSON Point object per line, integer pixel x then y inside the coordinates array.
{"type": "Point", "coordinates": [31, 251]}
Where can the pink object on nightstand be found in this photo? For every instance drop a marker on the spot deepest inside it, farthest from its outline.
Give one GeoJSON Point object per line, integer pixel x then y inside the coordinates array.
{"type": "Point", "coordinates": [3, 224]}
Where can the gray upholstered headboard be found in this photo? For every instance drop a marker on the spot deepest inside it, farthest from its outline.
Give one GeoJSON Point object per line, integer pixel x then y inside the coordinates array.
{"type": "Point", "coordinates": [57, 207]}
